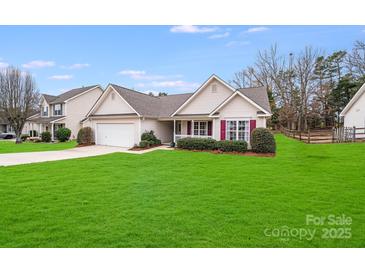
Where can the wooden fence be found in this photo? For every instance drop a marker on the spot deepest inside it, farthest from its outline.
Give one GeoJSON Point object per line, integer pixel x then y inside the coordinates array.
{"type": "Point", "coordinates": [323, 136]}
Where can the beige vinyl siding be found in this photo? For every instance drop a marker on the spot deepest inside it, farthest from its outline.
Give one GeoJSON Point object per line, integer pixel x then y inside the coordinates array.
{"type": "Point", "coordinates": [206, 101]}
{"type": "Point", "coordinates": [238, 107]}
{"type": "Point", "coordinates": [76, 110]}
{"type": "Point", "coordinates": [113, 104]}
{"type": "Point", "coordinates": [163, 129]}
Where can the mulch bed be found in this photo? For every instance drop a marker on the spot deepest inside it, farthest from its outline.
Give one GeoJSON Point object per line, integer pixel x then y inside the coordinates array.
{"type": "Point", "coordinates": [85, 145]}
{"type": "Point", "coordinates": [248, 153]}
{"type": "Point", "coordinates": [143, 148]}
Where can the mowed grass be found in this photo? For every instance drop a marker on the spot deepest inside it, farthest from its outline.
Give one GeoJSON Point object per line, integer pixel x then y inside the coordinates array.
{"type": "Point", "coordinates": [11, 147]}
{"type": "Point", "coordinates": [184, 199]}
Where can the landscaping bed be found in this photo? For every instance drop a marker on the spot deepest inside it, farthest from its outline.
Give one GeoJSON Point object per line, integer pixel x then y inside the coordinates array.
{"type": "Point", "coordinates": [138, 148]}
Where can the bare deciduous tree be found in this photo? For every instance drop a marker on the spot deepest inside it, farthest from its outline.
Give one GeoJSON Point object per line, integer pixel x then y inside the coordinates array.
{"type": "Point", "coordinates": [356, 60]}
{"type": "Point", "coordinates": [18, 97]}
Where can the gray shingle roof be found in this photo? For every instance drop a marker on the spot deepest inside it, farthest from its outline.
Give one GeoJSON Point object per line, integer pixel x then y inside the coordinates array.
{"type": "Point", "coordinates": [49, 98]}
{"type": "Point", "coordinates": [66, 95]}
{"type": "Point", "coordinates": [46, 120]}
{"type": "Point", "coordinates": [258, 95]}
{"type": "Point", "coordinates": [164, 106]}
{"type": "Point", "coordinates": [146, 105]}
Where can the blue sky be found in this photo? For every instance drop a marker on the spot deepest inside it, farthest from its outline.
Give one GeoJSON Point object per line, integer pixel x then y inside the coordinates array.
{"type": "Point", "coordinates": [173, 59]}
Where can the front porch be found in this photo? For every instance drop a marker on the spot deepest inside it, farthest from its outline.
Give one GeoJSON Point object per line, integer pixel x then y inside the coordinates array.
{"type": "Point", "coordinates": [199, 128]}
{"type": "Point", "coordinates": [52, 128]}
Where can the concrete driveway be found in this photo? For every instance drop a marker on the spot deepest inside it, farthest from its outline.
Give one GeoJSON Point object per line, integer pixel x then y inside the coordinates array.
{"type": "Point", "coordinates": [12, 159]}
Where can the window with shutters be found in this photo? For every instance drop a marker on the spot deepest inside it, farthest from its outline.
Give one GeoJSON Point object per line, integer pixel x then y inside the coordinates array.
{"type": "Point", "coordinates": [238, 130]}
{"type": "Point", "coordinates": [200, 128]}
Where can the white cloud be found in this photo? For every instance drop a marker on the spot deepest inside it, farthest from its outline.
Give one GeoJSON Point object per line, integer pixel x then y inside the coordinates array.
{"type": "Point", "coordinates": [3, 65]}
{"type": "Point", "coordinates": [257, 29]}
{"type": "Point", "coordinates": [232, 44]}
{"type": "Point", "coordinates": [143, 75]}
{"type": "Point", "coordinates": [77, 66]}
{"type": "Point", "coordinates": [219, 35]}
{"type": "Point", "coordinates": [135, 74]}
{"type": "Point", "coordinates": [61, 77]}
{"type": "Point", "coordinates": [192, 29]}
{"type": "Point", "coordinates": [38, 64]}
{"type": "Point", "coordinates": [174, 84]}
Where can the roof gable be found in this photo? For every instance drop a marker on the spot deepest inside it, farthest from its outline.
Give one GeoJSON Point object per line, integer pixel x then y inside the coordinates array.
{"type": "Point", "coordinates": [211, 100]}
{"type": "Point", "coordinates": [252, 96]}
{"type": "Point", "coordinates": [354, 99]}
{"type": "Point", "coordinates": [113, 103]}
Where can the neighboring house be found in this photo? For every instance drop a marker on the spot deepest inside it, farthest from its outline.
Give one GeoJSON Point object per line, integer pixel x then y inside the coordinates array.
{"type": "Point", "coordinates": [4, 125]}
{"type": "Point", "coordinates": [215, 110]}
{"type": "Point", "coordinates": [65, 110]}
{"type": "Point", "coordinates": [354, 112]}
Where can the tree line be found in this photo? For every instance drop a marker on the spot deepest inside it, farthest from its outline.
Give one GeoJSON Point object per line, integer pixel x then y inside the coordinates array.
{"type": "Point", "coordinates": [308, 89]}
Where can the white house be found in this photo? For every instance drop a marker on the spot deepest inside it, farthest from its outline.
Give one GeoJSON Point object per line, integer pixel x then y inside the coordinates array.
{"type": "Point", "coordinates": [354, 112]}
{"type": "Point", "coordinates": [215, 110]}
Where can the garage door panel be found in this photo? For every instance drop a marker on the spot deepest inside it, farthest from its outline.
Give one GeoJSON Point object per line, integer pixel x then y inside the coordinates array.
{"type": "Point", "coordinates": [115, 134]}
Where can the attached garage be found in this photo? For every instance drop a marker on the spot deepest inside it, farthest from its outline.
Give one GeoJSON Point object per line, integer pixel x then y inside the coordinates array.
{"type": "Point", "coordinates": [115, 134]}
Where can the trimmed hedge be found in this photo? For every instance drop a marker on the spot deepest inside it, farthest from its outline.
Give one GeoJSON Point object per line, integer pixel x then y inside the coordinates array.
{"type": "Point", "coordinates": [46, 137]}
{"type": "Point", "coordinates": [145, 144]}
{"type": "Point", "coordinates": [211, 144]}
{"type": "Point", "coordinates": [63, 134]}
{"type": "Point", "coordinates": [85, 136]}
{"type": "Point", "coordinates": [197, 143]}
{"type": "Point", "coordinates": [263, 141]}
{"type": "Point", "coordinates": [150, 137]}
{"type": "Point", "coordinates": [232, 146]}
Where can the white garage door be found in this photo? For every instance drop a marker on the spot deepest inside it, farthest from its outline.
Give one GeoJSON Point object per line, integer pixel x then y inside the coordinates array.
{"type": "Point", "coordinates": [121, 135]}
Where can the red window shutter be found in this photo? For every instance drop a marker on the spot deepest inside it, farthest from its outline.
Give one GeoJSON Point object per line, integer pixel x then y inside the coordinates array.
{"type": "Point", "coordinates": [252, 125]}
{"type": "Point", "coordinates": [189, 128]}
{"type": "Point", "coordinates": [223, 129]}
{"type": "Point", "coordinates": [210, 128]}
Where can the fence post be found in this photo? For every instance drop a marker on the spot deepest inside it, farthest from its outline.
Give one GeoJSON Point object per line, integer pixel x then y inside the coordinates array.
{"type": "Point", "coordinates": [354, 134]}
{"type": "Point", "coordinates": [309, 136]}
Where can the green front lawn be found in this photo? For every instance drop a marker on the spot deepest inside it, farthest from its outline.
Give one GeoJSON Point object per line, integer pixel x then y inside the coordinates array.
{"type": "Point", "coordinates": [11, 147]}
{"type": "Point", "coordinates": [185, 199]}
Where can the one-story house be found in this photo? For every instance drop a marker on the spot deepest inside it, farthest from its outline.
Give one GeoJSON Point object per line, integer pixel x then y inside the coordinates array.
{"type": "Point", "coordinates": [215, 110]}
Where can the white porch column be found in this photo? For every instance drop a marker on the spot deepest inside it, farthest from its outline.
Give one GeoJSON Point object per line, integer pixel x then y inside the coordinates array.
{"type": "Point", "coordinates": [52, 131]}
{"type": "Point", "coordinates": [192, 128]}
{"type": "Point", "coordinates": [40, 129]}
{"type": "Point", "coordinates": [174, 131]}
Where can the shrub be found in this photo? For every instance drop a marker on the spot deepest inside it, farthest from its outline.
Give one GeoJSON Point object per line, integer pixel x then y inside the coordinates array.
{"type": "Point", "coordinates": [197, 143]}
{"type": "Point", "coordinates": [85, 136]}
{"type": "Point", "coordinates": [46, 136]}
{"type": "Point", "coordinates": [150, 137]}
{"type": "Point", "coordinates": [262, 141]}
{"type": "Point", "coordinates": [63, 134]}
{"type": "Point", "coordinates": [232, 146]}
{"type": "Point", "coordinates": [145, 144]}
{"type": "Point", "coordinates": [24, 137]}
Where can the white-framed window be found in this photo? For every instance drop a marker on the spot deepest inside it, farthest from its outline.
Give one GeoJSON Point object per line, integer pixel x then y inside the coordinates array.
{"type": "Point", "coordinates": [201, 128]}
{"type": "Point", "coordinates": [45, 111]}
{"type": "Point", "coordinates": [238, 130]}
{"type": "Point", "coordinates": [178, 127]}
{"type": "Point", "coordinates": [57, 110]}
